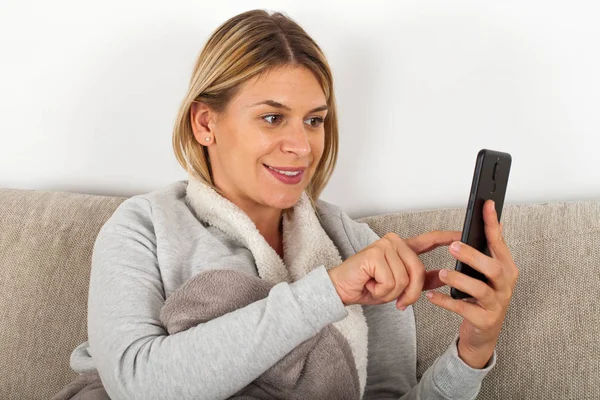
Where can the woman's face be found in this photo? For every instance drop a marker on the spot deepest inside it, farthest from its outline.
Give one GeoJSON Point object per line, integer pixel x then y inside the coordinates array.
{"type": "Point", "coordinates": [274, 120]}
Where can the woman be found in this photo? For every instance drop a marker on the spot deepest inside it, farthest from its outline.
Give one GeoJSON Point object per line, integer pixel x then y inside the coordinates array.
{"type": "Point", "coordinates": [240, 282]}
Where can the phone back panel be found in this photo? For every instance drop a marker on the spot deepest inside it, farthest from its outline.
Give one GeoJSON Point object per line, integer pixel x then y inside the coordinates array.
{"type": "Point", "coordinates": [490, 180]}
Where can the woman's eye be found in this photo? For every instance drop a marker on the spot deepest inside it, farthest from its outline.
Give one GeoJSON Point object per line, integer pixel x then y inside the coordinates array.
{"type": "Point", "coordinates": [272, 120]}
{"type": "Point", "coordinates": [270, 116]}
{"type": "Point", "coordinates": [318, 119]}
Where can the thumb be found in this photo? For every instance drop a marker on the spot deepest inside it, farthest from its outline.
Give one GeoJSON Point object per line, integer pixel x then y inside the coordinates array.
{"type": "Point", "coordinates": [370, 285]}
{"type": "Point", "coordinates": [432, 280]}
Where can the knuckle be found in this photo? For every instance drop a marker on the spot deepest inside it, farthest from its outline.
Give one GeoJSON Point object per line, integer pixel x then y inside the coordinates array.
{"type": "Point", "coordinates": [495, 239]}
{"type": "Point", "coordinates": [384, 290]}
{"type": "Point", "coordinates": [377, 293]}
{"type": "Point", "coordinates": [375, 251]}
{"type": "Point", "coordinates": [500, 242]}
{"type": "Point", "coordinates": [412, 298]}
{"type": "Point", "coordinates": [489, 323]}
{"type": "Point", "coordinates": [390, 236]}
{"type": "Point", "coordinates": [505, 297]}
{"type": "Point", "coordinates": [389, 286]}
{"type": "Point", "coordinates": [444, 300]}
{"type": "Point", "coordinates": [488, 292]}
{"type": "Point", "coordinates": [470, 258]}
{"type": "Point", "coordinates": [389, 297]}
{"type": "Point", "coordinates": [401, 287]}
{"type": "Point", "coordinates": [436, 235]}
{"type": "Point", "coordinates": [402, 281]}
{"type": "Point", "coordinates": [459, 306]}
{"type": "Point", "coordinates": [501, 238]}
{"type": "Point", "coordinates": [495, 272]}
{"type": "Point", "coordinates": [484, 324]}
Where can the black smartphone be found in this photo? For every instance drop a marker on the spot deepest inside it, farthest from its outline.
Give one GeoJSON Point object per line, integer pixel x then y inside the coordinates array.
{"type": "Point", "coordinates": [489, 182]}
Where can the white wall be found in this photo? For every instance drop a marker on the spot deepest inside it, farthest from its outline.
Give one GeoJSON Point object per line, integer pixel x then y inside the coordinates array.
{"type": "Point", "coordinates": [89, 92]}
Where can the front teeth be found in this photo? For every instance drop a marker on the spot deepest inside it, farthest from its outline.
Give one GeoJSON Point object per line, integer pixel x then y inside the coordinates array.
{"type": "Point", "coordinates": [288, 173]}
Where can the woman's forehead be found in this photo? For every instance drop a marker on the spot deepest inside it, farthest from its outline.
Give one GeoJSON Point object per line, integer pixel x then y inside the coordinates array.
{"type": "Point", "coordinates": [285, 89]}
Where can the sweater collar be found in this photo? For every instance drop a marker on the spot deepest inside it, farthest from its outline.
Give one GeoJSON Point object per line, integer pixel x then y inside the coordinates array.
{"type": "Point", "coordinates": [301, 230]}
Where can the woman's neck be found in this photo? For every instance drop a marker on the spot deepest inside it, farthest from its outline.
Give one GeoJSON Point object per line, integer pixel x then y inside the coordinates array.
{"type": "Point", "coordinates": [269, 224]}
{"type": "Point", "coordinates": [268, 221]}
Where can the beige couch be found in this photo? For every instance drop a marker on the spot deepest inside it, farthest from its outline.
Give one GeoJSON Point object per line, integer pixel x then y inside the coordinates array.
{"type": "Point", "coordinates": [549, 347]}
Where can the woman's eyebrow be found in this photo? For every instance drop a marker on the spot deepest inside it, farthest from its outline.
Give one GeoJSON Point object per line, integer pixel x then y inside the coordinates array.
{"type": "Point", "coordinates": [277, 104]}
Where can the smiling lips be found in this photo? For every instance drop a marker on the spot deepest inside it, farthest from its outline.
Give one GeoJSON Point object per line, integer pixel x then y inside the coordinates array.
{"type": "Point", "coordinates": [293, 169]}
{"type": "Point", "coordinates": [287, 175]}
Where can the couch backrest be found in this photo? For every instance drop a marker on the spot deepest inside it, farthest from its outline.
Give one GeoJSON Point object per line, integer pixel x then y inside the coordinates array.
{"type": "Point", "coordinates": [549, 346]}
{"type": "Point", "coordinates": [46, 241]}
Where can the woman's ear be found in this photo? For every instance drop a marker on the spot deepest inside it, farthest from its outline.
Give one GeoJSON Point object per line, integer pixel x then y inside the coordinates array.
{"type": "Point", "coordinates": [201, 120]}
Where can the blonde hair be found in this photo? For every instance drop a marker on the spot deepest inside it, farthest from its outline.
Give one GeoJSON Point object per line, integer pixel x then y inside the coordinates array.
{"type": "Point", "coordinates": [247, 45]}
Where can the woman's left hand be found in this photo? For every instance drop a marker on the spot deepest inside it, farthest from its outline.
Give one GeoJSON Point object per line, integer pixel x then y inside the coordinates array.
{"type": "Point", "coordinates": [484, 313]}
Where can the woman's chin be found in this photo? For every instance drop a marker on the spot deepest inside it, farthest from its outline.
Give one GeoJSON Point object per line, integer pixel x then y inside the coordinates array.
{"type": "Point", "coordinates": [283, 200]}
{"type": "Point", "coordinates": [280, 195]}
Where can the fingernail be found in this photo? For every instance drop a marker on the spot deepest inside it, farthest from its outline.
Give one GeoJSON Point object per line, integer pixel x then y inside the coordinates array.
{"type": "Point", "coordinates": [455, 246]}
{"type": "Point", "coordinates": [443, 273]}
{"type": "Point", "coordinates": [429, 294]}
{"type": "Point", "coordinates": [402, 308]}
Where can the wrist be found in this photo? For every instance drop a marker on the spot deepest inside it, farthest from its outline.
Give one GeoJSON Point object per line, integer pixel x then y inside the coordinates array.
{"type": "Point", "coordinates": [331, 274]}
{"type": "Point", "coordinates": [475, 359]}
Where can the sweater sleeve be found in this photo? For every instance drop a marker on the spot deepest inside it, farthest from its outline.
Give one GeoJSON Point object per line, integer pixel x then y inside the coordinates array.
{"type": "Point", "coordinates": [449, 377]}
{"type": "Point", "coordinates": [137, 359]}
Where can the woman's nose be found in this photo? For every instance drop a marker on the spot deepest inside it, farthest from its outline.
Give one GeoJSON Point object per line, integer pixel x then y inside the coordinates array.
{"type": "Point", "coordinates": [297, 140]}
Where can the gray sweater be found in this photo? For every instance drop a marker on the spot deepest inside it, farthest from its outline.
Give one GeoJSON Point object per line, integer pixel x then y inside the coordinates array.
{"type": "Point", "coordinates": [154, 243]}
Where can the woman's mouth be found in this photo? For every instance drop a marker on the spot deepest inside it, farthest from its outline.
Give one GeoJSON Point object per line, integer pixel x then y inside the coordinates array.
{"type": "Point", "coordinates": [288, 177]}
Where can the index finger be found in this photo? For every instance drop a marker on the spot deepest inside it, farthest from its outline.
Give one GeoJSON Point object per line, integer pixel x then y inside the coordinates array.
{"type": "Point", "coordinates": [415, 270]}
{"type": "Point", "coordinates": [430, 240]}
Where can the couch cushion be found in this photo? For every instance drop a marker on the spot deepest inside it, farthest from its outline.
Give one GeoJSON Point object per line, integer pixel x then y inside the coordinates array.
{"type": "Point", "coordinates": [46, 241]}
{"type": "Point", "coordinates": [549, 345]}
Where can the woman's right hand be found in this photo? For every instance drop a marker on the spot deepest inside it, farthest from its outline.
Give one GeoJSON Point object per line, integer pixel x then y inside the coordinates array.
{"type": "Point", "coordinates": [390, 269]}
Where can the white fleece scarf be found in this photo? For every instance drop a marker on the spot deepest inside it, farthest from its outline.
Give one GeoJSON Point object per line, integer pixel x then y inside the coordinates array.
{"type": "Point", "coordinates": [306, 246]}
